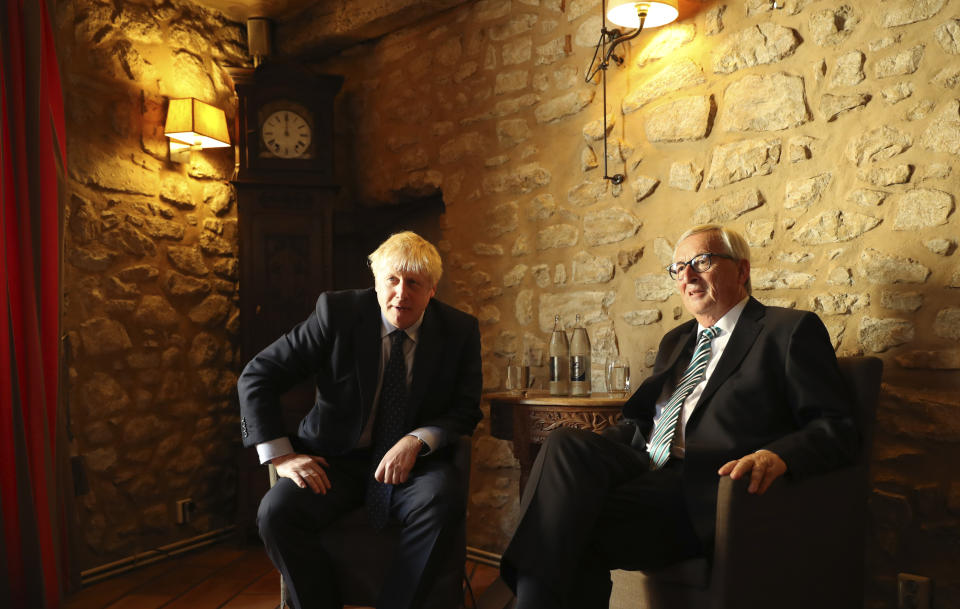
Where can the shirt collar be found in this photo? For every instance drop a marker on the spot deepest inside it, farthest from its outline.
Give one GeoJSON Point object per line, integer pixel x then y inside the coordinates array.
{"type": "Point", "coordinates": [412, 332]}
{"type": "Point", "coordinates": [728, 322]}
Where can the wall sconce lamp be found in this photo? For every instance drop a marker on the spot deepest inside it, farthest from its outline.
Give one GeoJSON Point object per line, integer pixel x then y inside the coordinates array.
{"type": "Point", "coordinates": [194, 125]}
{"type": "Point", "coordinates": [634, 16]}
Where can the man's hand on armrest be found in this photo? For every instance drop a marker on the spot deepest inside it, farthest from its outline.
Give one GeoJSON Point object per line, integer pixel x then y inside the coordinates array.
{"type": "Point", "coordinates": [304, 470]}
{"type": "Point", "coordinates": [764, 467]}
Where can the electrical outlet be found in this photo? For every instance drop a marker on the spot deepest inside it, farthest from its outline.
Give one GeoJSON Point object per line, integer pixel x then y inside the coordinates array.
{"type": "Point", "coordinates": [913, 591]}
{"type": "Point", "coordinates": [184, 510]}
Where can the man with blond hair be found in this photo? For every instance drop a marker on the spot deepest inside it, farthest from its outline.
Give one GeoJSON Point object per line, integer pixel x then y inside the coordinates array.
{"type": "Point", "coordinates": [398, 380]}
{"type": "Point", "coordinates": [741, 390]}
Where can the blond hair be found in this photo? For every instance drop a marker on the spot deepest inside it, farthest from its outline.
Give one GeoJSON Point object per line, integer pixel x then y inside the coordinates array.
{"type": "Point", "coordinates": [733, 242]}
{"type": "Point", "coordinates": [408, 252]}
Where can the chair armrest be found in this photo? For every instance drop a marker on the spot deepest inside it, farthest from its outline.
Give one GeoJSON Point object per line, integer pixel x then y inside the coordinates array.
{"type": "Point", "coordinates": [797, 533]}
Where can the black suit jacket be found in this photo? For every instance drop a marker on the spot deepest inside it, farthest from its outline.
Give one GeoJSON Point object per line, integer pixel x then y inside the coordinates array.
{"type": "Point", "coordinates": [340, 345]}
{"type": "Point", "coordinates": [777, 386]}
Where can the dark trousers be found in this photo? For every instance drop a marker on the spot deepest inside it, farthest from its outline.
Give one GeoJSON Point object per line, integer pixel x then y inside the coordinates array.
{"type": "Point", "coordinates": [591, 505]}
{"type": "Point", "coordinates": [429, 507]}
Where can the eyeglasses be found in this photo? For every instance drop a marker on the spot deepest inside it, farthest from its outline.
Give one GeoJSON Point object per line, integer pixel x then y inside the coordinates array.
{"type": "Point", "coordinates": [700, 263]}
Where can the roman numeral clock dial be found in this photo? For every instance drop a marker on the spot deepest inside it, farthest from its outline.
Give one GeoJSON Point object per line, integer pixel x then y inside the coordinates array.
{"type": "Point", "coordinates": [284, 125]}
{"type": "Point", "coordinates": [286, 135]}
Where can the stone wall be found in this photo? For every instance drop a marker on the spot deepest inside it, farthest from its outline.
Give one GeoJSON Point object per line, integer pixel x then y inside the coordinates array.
{"type": "Point", "coordinates": [150, 276]}
{"type": "Point", "coordinates": [827, 132]}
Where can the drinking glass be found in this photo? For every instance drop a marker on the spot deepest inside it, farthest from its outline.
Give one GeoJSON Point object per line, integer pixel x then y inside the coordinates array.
{"type": "Point", "coordinates": [618, 375]}
{"type": "Point", "coordinates": [516, 381]}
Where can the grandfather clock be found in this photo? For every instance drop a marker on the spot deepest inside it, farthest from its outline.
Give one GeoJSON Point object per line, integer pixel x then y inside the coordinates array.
{"type": "Point", "coordinates": [285, 198]}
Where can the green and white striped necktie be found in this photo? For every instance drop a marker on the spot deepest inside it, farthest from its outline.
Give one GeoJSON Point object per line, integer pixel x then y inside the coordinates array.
{"type": "Point", "coordinates": [667, 423]}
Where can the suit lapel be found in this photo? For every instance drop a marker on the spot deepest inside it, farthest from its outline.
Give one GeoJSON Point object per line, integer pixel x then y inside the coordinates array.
{"type": "Point", "coordinates": [744, 335]}
{"type": "Point", "coordinates": [429, 345]}
{"type": "Point", "coordinates": [367, 345]}
{"type": "Point", "coordinates": [649, 391]}
{"type": "Point", "coordinates": [684, 346]}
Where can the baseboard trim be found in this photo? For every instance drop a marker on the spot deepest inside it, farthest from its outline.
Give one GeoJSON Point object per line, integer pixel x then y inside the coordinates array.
{"type": "Point", "coordinates": [136, 561]}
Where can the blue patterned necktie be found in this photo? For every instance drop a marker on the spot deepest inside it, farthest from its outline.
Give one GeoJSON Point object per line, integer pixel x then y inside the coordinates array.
{"type": "Point", "coordinates": [388, 428]}
{"type": "Point", "coordinates": [662, 438]}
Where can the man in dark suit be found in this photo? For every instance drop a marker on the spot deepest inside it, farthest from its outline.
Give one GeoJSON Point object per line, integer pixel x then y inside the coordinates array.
{"type": "Point", "coordinates": [398, 380]}
{"type": "Point", "coordinates": [741, 390]}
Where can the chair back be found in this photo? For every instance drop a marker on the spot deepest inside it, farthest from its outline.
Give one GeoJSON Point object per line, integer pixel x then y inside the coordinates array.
{"type": "Point", "coordinates": [862, 376]}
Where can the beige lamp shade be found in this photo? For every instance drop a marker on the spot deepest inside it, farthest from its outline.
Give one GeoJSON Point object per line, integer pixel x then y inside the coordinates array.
{"type": "Point", "coordinates": [192, 122]}
{"type": "Point", "coordinates": [659, 12]}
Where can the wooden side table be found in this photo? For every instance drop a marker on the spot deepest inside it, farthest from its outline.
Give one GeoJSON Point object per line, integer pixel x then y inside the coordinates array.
{"type": "Point", "coordinates": [526, 419]}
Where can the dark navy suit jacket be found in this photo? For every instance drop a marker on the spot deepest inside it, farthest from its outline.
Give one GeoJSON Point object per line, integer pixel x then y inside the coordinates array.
{"type": "Point", "coordinates": [340, 346]}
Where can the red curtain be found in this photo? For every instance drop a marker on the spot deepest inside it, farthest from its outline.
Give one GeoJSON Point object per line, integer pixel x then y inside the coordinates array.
{"type": "Point", "coordinates": [32, 163]}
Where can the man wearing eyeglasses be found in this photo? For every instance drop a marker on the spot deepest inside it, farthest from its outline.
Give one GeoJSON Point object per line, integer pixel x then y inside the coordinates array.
{"type": "Point", "coordinates": [741, 390]}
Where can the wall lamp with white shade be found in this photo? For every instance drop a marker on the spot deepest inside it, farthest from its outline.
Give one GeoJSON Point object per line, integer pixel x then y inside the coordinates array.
{"type": "Point", "coordinates": [634, 16]}
{"type": "Point", "coordinates": [194, 125]}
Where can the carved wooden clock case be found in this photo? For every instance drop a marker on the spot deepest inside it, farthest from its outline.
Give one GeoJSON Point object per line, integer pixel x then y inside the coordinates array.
{"type": "Point", "coordinates": [285, 199]}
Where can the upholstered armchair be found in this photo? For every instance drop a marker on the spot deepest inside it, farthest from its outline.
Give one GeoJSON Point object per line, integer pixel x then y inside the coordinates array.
{"type": "Point", "coordinates": [799, 545]}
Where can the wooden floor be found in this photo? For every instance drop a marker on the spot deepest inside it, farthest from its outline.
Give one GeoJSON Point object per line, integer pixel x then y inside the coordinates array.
{"type": "Point", "coordinates": [220, 577]}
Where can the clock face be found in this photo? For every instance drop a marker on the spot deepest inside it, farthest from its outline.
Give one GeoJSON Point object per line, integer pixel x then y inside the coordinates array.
{"type": "Point", "coordinates": [285, 124]}
{"type": "Point", "coordinates": [286, 134]}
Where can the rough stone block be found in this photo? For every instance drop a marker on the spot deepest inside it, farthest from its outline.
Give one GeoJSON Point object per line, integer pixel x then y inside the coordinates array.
{"type": "Point", "coordinates": [684, 119]}
{"type": "Point", "coordinates": [943, 134]}
{"type": "Point", "coordinates": [879, 268]}
{"type": "Point", "coordinates": [899, 64]}
{"type": "Point", "coordinates": [885, 176]}
{"type": "Point", "coordinates": [728, 207]}
{"type": "Point", "coordinates": [590, 305]}
{"type": "Point", "coordinates": [685, 176]}
{"type": "Point", "coordinates": [948, 35]}
{"type": "Point", "coordinates": [833, 106]}
{"type": "Point", "coordinates": [848, 70]}
{"type": "Point", "coordinates": [901, 301]}
{"type": "Point", "coordinates": [898, 92]}
{"type": "Point", "coordinates": [947, 323]}
{"type": "Point", "coordinates": [655, 287]}
{"type": "Point", "coordinates": [922, 208]}
{"type": "Point", "coordinates": [587, 193]}
{"type": "Point", "coordinates": [609, 226]}
{"type": "Point", "coordinates": [832, 26]}
{"type": "Point", "coordinates": [894, 13]}
{"type": "Point", "coordinates": [563, 106]}
{"type": "Point", "coordinates": [877, 145]}
{"type": "Point", "coordinates": [764, 103]}
{"type": "Point", "coordinates": [679, 75]}
{"type": "Point", "coordinates": [779, 279]}
{"type": "Point", "coordinates": [557, 236]}
{"type": "Point", "coordinates": [879, 334]}
{"type": "Point", "coordinates": [587, 268]}
{"type": "Point", "coordinates": [665, 42]}
{"type": "Point", "coordinates": [741, 160]}
{"type": "Point", "coordinates": [643, 187]}
{"type": "Point", "coordinates": [803, 193]}
{"type": "Point", "coordinates": [758, 45]}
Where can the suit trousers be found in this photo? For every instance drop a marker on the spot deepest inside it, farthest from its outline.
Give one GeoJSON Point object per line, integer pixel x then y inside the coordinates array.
{"type": "Point", "coordinates": [591, 505]}
{"type": "Point", "coordinates": [429, 507]}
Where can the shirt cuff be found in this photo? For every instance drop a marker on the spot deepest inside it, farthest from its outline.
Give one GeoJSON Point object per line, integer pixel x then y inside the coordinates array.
{"type": "Point", "coordinates": [274, 448]}
{"type": "Point", "coordinates": [432, 438]}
